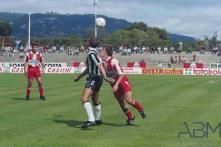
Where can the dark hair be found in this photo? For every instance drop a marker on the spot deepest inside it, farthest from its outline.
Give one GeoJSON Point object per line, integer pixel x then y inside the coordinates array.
{"type": "Point", "coordinates": [109, 50]}
{"type": "Point", "coordinates": [93, 42]}
{"type": "Point", "coordinates": [34, 44]}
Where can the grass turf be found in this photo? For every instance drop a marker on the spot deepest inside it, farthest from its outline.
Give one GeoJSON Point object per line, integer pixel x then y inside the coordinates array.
{"type": "Point", "coordinates": [169, 101]}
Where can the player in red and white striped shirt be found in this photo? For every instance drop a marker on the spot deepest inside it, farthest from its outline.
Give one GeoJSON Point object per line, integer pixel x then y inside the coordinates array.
{"type": "Point", "coordinates": [121, 86]}
{"type": "Point", "coordinates": [32, 69]}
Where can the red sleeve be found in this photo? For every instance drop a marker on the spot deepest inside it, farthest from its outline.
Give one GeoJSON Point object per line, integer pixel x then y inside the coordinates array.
{"type": "Point", "coordinates": [26, 59]}
{"type": "Point", "coordinates": [41, 59]}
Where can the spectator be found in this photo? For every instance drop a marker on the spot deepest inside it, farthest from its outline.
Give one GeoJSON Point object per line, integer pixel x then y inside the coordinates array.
{"type": "Point", "coordinates": [193, 65]}
{"type": "Point", "coordinates": [184, 59]}
{"type": "Point", "coordinates": [169, 64]}
{"type": "Point", "coordinates": [61, 49]}
{"type": "Point", "coordinates": [171, 49]}
{"type": "Point", "coordinates": [194, 57]}
{"type": "Point", "coordinates": [179, 59]}
{"type": "Point", "coordinates": [159, 50]}
{"type": "Point", "coordinates": [159, 65]}
{"type": "Point", "coordinates": [171, 59]}
{"type": "Point", "coordinates": [165, 50]}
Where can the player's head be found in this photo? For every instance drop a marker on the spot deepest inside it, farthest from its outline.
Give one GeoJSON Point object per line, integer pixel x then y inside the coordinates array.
{"type": "Point", "coordinates": [106, 51]}
{"type": "Point", "coordinates": [34, 47]}
{"type": "Point", "coordinates": [93, 42]}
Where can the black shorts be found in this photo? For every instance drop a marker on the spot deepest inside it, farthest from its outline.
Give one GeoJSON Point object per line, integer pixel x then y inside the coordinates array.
{"type": "Point", "coordinates": [94, 83]}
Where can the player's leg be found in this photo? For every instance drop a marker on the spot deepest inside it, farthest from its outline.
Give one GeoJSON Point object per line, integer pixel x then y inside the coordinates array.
{"type": "Point", "coordinates": [96, 85]}
{"type": "Point", "coordinates": [40, 87]}
{"type": "Point", "coordinates": [135, 103]}
{"type": "Point", "coordinates": [97, 107]}
{"type": "Point", "coordinates": [28, 89]}
{"type": "Point", "coordinates": [87, 92]}
{"type": "Point", "coordinates": [123, 104]}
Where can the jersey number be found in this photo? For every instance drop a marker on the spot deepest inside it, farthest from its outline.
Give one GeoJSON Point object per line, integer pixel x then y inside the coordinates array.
{"type": "Point", "coordinates": [92, 83]}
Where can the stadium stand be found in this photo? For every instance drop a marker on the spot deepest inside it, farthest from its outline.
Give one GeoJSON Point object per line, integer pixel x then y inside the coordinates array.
{"type": "Point", "coordinates": [151, 60]}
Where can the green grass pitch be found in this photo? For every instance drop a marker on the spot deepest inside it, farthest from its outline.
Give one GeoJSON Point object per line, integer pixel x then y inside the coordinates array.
{"type": "Point", "coordinates": [169, 101]}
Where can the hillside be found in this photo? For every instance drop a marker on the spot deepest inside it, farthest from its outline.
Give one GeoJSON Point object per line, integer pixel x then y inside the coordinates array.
{"type": "Point", "coordinates": [53, 24]}
{"type": "Point", "coordinates": [60, 25]}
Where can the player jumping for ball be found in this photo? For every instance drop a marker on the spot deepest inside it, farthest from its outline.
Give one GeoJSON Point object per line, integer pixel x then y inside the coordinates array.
{"type": "Point", "coordinates": [121, 86]}
{"type": "Point", "coordinates": [95, 71]}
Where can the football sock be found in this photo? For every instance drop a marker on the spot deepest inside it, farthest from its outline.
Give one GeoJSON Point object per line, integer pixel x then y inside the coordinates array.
{"type": "Point", "coordinates": [41, 91]}
{"type": "Point", "coordinates": [137, 105]}
{"type": "Point", "coordinates": [89, 111]}
{"type": "Point", "coordinates": [129, 114]}
{"type": "Point", "coordinates": [28, 92]}
{"type": "Point", "coordinates": [98, 112]}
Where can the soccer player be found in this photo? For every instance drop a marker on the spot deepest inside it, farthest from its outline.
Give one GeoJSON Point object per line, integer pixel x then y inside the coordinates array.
{"type": "Point", "coordinates": [121, 86]}
{"type": "Point", "coordinates": [96, 73]}
{"type": "Point", "coordinates": [33, 70]}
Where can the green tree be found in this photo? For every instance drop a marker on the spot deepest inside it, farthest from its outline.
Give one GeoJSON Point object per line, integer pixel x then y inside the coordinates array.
{"type": "Point", "coordinates": [139, 26]}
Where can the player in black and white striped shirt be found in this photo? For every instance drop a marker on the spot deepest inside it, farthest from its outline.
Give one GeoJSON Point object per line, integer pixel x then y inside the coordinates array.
{"type": "Point", "coordinates": [96, 73]}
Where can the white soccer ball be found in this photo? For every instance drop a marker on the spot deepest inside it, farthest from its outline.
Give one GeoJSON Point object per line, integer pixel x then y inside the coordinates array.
{"type": "Point", "coordinates": [100, 22]}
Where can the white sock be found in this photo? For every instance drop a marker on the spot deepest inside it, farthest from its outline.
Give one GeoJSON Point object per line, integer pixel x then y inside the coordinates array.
{"type": "Point", "coordinates": [89, 111]}
{"type": "Point", "coordinates": [98, 112]}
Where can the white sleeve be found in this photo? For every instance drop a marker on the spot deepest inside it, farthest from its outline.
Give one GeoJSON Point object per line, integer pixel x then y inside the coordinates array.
{"type": "Point", "coordinates": [115, 63]}
{"type": "Point", "coordinates": [96, 59]}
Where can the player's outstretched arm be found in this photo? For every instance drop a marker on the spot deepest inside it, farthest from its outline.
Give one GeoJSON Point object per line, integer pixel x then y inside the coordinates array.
{"type": "Point", "coordinates": [103, 73]}
{"type": "Point", "coordinates": [78, 77]}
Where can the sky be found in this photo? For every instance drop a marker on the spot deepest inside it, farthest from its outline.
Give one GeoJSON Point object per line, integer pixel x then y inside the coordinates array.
{"type": "Point", "coordinates": [194, 18]}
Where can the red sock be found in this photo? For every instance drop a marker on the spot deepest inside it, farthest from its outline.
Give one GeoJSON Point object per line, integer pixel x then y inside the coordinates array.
{"type": "Point", "coordinates": [28, 91]}
{"type": "Point", "coordinates": [41, 91]}
{"type": "Point", "coordinates": [137, 105]}
{"type": "Point", "coordinates": [129, 114]}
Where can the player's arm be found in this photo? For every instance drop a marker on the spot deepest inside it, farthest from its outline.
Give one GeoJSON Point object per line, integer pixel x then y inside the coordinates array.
{"type": "Point", "coordinates": [26, 64]}
{"type": "Point", "coordinates": [42, 67]}
{"type": "Point", "coordinates": [25, 68]}
{"type": "Point", "coordinates": [103, 72]}
{"type": "Point", "coordinates": [78, 77]}
{"type": "Point", "coordinates": [100, 66]}
{"type": "Point", "coordinates": [116, 65]}
{"type": "Point", "coordinates": [42, 64]}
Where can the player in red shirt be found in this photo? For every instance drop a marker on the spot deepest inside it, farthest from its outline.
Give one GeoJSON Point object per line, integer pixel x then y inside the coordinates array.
{"type": "Point", "coordinates": [33, 70]}
{"type": "Point", "coordinates": [121, 86]}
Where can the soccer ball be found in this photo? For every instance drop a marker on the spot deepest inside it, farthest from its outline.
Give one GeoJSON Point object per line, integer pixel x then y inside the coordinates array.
{"type": "Point", "coordinates": [100, 22]}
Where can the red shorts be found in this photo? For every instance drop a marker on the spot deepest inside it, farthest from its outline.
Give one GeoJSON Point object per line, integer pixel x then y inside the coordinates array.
{"type": "Point", "coordinates": [123, 87]}
{"type": "Point", "coordinates": [34, 72]}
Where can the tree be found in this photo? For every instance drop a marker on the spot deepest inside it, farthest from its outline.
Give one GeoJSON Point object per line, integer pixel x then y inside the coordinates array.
{"type": "Point", "coordinates": [214, 41]}
{"type": "Point", "coordinates": [162, 33]}
{"type": "Point", "coordinates": [139, 26]}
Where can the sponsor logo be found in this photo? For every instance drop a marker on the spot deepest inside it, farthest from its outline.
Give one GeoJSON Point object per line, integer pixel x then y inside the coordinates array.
{"type": "Point", "coordinates": [206, 71]}
{"type": "Point", "coordinates": [17, 70]}
{"type": "Point", "coordinates": [213, 66]}
{"type": "Point", "coordinates": [61, 70]}
{"type": "Point", "coordinates": [55, 65]}
{"type": "Point", "coordinates": [188, 71]}
{"type": "Point", "coordinates": [163, 71]}
{"type": "Point", "coordinates": [127, 70]}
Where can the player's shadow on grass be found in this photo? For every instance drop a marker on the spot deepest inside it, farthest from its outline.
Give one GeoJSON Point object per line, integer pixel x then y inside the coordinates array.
{"type": "Point", "coordinates": [22, 99]}
{"type": "Point", "coordinates": [71, 123]}
{"type": "Point", "coordinates": [77, 124]}
{"type": "Point", "coordinates": [114, 124]}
